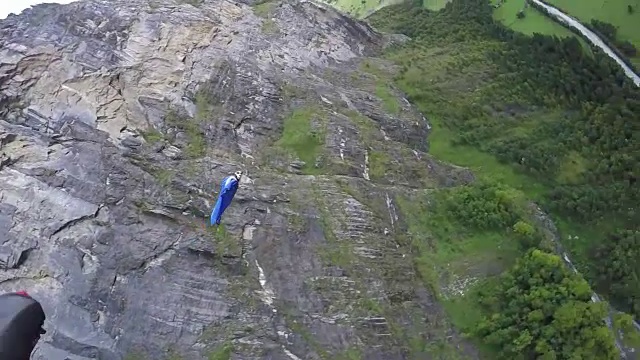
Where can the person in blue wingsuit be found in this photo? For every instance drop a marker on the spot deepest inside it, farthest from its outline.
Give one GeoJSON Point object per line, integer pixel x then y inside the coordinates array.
{"type": "Point", "coordinates": [228, 189]}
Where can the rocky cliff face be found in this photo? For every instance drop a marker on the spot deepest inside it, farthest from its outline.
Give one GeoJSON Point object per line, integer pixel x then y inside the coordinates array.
{"type": "Point", "coordinates": [119, 118]}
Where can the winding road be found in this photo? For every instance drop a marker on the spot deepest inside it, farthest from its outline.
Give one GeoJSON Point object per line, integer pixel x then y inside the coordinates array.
{"type": "Point", "coordinates": [591, 36]}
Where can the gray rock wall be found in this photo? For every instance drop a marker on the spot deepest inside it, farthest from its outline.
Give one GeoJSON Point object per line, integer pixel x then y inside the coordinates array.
{"type": "Point", "coordinates": [118, 119]}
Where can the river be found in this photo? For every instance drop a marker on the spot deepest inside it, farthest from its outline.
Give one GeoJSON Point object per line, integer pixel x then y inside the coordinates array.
{"type": "Point", "coordinates": [591, 36]}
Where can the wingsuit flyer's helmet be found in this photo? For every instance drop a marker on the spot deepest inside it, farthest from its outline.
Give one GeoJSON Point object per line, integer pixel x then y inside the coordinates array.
{"type": "Point", "coordinates": [238, 175]}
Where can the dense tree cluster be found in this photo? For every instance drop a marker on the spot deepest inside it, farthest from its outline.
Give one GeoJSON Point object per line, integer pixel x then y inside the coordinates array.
{"type": "Point", "coordinates": [606, 29]}
{"type": "Point", "coordinates": [485, 206]}
{"type": "Point", "coordinates": [491, 206]}
{"type": "Point", "coordinates": [610, 32]}
{"type": "Point", "coordinates": [542, 310]}
{"type": "Point", "coordinates": [567, 116]}
{"type": "Point", "coordinates": [619, 274]}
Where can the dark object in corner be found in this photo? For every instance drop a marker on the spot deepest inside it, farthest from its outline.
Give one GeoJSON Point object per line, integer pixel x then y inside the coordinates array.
{"type": "Point", "coordinates": [21, 321]}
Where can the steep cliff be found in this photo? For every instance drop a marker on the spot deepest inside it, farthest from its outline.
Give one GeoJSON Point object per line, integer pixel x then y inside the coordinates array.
{"type": "Point", "coordinates": [119, 118]}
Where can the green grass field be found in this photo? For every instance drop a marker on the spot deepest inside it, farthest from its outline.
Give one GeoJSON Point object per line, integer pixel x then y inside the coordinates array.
{"type": "Point", "coordinates": [360, 8]}
{"type": "Point", "coordinates": [453, 260]}
{"type": "Point", "coordinates": [533, 22]}
{"type": "Point", "coordinates": [611, 11]}
{"type": "Point", "coordinates": [435, 4]}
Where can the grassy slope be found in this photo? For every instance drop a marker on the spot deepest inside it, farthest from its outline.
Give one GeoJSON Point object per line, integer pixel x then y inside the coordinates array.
{"type": "Point", "coordinates": [451, 258]}
{"type": "Point", "coordinates": [299, 138]}
{"type": "Point", "coordinates": [362, 8]}
{"type": "Point", "coordinates": [454, 260]}
{"type": "Point", "coordinates": [611, 11]}
{"type": "Point", "coordinates": [490, 252]}
{"type": "Point", "coordinates": [578, 236]}
{"type": "Point", "coordinates": [437, 66]}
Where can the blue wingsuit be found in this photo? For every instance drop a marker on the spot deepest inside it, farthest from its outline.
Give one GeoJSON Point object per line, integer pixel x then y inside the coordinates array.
{"type": "Point", "coordinates": [228, 189]}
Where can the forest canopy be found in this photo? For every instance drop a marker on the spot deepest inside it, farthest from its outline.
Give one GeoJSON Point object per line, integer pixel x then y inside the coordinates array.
{"type": "Point", "coordinates": [541, 310]}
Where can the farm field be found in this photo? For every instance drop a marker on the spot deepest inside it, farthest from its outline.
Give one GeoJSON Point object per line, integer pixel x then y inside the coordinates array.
{"type": "Point", "coordinates": [360, 8]}
{"type": "Point", "coordinates": [533, 22]}
{"type": "Point", "coordinates": [434, 4]}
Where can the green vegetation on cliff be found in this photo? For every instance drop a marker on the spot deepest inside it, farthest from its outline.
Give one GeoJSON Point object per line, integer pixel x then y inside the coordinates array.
{"type": "Point", "coordinates": [300, 138]}
{"type": "Point", "coordinates": [540, 115]}
{"type": "Point", "coordinates": [462, 234]}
